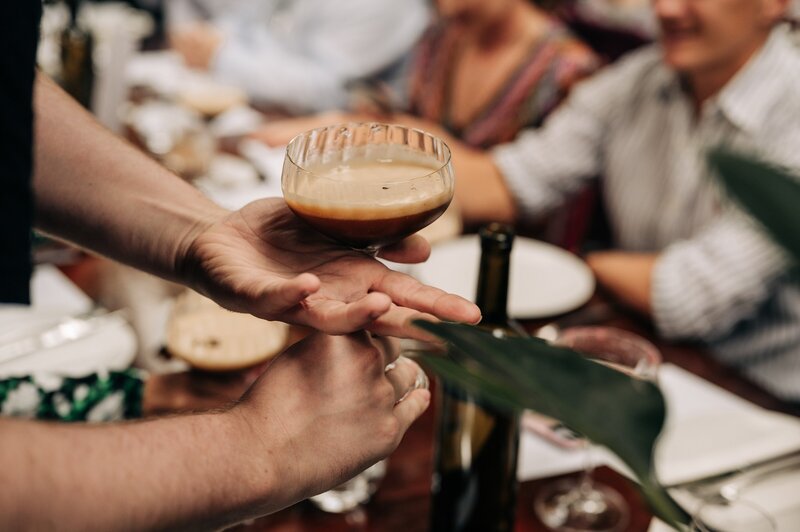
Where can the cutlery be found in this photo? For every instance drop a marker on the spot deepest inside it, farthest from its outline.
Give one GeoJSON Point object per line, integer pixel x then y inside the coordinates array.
{"type": "Point", "coordinates": [725, 488]}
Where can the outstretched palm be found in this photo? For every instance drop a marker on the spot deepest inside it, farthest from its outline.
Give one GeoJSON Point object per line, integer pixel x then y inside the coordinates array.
{"type": "Point", "coordinates": [263, 260]}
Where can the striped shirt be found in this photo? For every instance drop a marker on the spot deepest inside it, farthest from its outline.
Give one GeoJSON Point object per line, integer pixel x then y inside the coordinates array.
{"type": "Point", "coordinates": [718, 278]}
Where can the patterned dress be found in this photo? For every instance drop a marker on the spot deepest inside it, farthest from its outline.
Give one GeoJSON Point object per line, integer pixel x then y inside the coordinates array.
{"type": "Point", "coordinates": [538, 84]}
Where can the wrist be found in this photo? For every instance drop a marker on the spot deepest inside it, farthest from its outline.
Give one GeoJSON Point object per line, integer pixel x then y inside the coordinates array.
{"type": "Point", "coordinates": [184, 261]}
{"type": "Point", "coordinates": [263, 486]}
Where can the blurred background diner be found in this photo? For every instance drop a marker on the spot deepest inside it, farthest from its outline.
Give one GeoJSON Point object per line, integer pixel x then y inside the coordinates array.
{"type": "Point", "coordinates": [585, 124]}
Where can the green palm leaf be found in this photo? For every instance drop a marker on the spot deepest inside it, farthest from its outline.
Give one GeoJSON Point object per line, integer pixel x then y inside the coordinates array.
{"type": "Point", "coordinates": [612, 409]}
{"type": "Point", "coordinates": [772, 196]}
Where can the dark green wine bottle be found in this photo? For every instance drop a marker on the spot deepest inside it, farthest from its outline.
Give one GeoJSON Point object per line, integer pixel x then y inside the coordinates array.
{"type": "Point", "coordinates": [77, 65]}
{"type": "Point", "coordinates": [475, 465]}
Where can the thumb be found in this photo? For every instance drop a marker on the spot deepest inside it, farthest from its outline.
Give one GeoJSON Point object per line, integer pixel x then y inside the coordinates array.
{"type": "Point", "coordinates": [410, 408]}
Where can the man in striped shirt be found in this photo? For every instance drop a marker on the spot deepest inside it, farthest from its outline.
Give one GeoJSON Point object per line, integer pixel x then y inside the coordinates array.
{"type": "Point", "coordinates": [723, 73]}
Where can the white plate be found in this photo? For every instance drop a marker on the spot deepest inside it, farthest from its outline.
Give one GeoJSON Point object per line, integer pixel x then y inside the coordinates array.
{"type": "Point", "coordinates": [545, 280]}
{"type": "Point", "coordinates": [110, 347]}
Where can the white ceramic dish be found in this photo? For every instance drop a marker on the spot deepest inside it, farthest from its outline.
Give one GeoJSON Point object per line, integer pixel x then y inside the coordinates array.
{"type": "Point", "coordinates": [545, 280]}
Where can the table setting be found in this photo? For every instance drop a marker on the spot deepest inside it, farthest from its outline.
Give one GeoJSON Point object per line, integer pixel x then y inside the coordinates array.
{"type": "Point", "coordinates": [716, 448]}
{"type": "Point", "coordinates": [733, 461]}
{"type": "Point", "coordinates": [709, 432]}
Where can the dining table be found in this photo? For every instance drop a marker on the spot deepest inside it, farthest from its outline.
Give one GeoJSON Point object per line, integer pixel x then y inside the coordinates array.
{"type": "Point", "coordinates": [403, 499]}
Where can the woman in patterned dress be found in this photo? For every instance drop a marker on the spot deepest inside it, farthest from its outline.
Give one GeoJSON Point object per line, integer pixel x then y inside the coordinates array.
{"type": "Point", "coordinates": [482, 73]}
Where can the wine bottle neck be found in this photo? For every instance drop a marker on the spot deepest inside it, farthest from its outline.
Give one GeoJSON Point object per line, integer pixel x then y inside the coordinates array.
{"type": "Point", "coordinates": [493, 277]}
{"type": "Point", "coordinates": [73, 7]}
{"type": "Point", "coordinates": [492, 294]}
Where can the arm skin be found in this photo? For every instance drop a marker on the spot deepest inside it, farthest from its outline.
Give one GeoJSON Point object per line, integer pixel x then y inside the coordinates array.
{"type": "Point", "coordinates": [95, 190]}
{"type": "Point", "coordinates": [323, 411]}
{"type": "Point", "coordinates": [94, 478]}
{"type": "Point", "coordinates": [627, 276]}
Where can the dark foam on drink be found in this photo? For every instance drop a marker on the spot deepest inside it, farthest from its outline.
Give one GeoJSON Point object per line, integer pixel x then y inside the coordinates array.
{"type": "Point", "coordinates": [370, 226]}
{"type": "Point", "coordinates": [371, 202]}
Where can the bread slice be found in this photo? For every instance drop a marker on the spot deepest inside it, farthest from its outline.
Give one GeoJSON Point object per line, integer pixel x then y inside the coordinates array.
{"type": "Point", "coordinates": [211, 338]}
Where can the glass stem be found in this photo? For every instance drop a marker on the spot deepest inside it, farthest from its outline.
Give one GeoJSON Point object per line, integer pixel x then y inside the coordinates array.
{"type": "Point", "coordinates": [586, 482]}
{"type": "Point", "coordinates": [371, 251]}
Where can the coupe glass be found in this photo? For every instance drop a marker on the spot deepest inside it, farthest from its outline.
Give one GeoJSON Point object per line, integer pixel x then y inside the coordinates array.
{"type": "Point", "coordinates": [367, 185]}
{"type": "Point", "coordinates": [582, 505]}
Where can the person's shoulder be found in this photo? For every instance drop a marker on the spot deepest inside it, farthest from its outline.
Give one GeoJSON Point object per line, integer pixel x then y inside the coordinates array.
{"type": "Point", "coordinates": [781, 92]}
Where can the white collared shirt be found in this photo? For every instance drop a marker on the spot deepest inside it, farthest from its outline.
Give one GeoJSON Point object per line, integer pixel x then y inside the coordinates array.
{"type": "Point", "coordinates": [719, 278]}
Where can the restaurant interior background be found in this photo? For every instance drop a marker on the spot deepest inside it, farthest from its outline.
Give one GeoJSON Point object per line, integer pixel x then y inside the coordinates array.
{"type": "Point", "coordinates": [116, 58]}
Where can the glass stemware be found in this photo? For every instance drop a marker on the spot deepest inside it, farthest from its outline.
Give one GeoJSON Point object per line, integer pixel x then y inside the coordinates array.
{"type": "Point", "coordinates": [367, 185]}
{"type": "Point", "coordinates": [582, 505]}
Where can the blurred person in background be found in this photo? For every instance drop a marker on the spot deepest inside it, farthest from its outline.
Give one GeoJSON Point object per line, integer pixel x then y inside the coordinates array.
{"type": "Point", "coordinates": [611, 28]}
{"type": "Point", "coordinates": [323, 411]}
{"type": "Point", "coordinates": [302, 55]}
{"type": "Point", "coordinates": [723, 73]}
{"type": "Point", "coordinates": [487, 70]}
{"type": "Point", "coordinates": [482, 73]}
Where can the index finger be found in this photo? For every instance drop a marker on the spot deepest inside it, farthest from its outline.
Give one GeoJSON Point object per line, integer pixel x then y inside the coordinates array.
{"type": "Point", "coordinates": [406, 291]}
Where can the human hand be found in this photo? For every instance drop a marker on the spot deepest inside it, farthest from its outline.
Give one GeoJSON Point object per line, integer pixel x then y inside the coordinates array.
{"type": "Point", "coordinates": [197, 43]}
{"type": "Point", "coordinates": [265, 261]}
{"type": "Point", "coordinates": [325, 410]}
{"type": "Point", "coordinates": [280, 132]}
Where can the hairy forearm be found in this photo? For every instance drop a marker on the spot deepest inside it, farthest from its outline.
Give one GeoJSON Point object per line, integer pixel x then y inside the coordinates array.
{"type": "Point", "coordinates": [627, 276]}
{"type": "Point", "coordinates": [192, 472]}
{"type": "Point", "coordinates": [97, 191]}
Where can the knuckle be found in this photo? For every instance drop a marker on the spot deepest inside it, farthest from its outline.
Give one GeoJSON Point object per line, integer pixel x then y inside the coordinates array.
{"type": "Point", "coordinates": [371, 357]}
{"type": "Point", "coordinates": [389, 431]}
{"type": "Point", "coordinates": [384, 394]}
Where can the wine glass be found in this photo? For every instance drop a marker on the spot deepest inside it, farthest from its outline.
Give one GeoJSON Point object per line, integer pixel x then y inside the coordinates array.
{"type": "Point", "coordinates": [582, 505]}
{"type": "Point", "coordinates": [367, 185]}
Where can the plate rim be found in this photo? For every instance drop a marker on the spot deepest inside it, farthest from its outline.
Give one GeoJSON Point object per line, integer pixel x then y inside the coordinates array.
{"type": "Point", "coordinates": [523, 243]}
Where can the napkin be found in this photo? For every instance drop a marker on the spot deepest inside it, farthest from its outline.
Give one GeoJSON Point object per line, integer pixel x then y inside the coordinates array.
{"type": "Point", "coordinates": [710, 430]}
{"type": "Point", "coordinates": [112, 346]}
